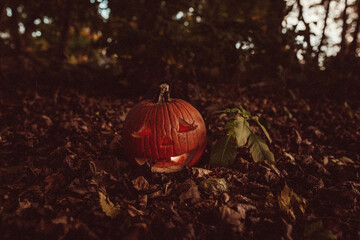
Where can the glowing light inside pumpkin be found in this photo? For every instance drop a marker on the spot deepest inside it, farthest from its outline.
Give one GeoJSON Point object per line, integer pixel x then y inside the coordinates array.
{"type": "Point", "coordinates": [185, 127]}
{"type": "Point", "coordinates": [143, 132]}
{"type": "Point", "coordinates": [179, 159]}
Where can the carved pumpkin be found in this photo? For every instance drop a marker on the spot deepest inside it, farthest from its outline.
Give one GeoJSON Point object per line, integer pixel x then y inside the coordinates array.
{"type": "Point", "coordinates": [168, 134]}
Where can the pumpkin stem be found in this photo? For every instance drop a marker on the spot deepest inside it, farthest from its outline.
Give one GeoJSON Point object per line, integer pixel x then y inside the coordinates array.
{"type": "Point", "coordinates": [164, 95]}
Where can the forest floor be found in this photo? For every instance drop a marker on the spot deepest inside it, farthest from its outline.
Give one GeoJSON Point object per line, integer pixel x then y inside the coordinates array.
{"type": "Point", "coordinates": [64, 175]}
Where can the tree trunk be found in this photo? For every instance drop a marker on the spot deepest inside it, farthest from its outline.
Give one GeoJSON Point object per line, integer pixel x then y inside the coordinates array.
{"type": "Point", "coordinates": [29, 26]}
{"type": "Point", "coordinates": [274, 18]}
{"type": "Point", "coordinates": [343, 32]}
{"type": "Point", "coordinates": [354, 43]}
{"type": "Point", "coordinates": [307, 32]}
{"type": "Point", "coordinates": [65, 31]}
{"type": "Point", "coordinates": [18, 39]}
{"type": "Point", "coordinates": [2, 10]}
{"type": "Point", "coordinates": [327, 8]}
{"type": "Point", "coordinates": [14, 31]}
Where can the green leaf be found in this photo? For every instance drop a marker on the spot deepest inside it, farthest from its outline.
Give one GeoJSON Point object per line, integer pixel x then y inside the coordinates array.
{"type": "Point", "coordinates": [317, 231]}
{"type": "Point", "coordinates": [223, 115]}
{"type": "Point", "coordinates": [244, 113]}
{"type": "Point", "coordinates": [229, 125]}
{"type": "Point", "coordinates": [234, 110]}
{"type": "Point", "coordinates": [224, 152]}
{"type": "Point", "coordinates": [259, 150]}
{"type": "Point", "coordinates": [256, 119]}
{"type": "Point", "coordinates": [241, 130]}
{"type": "Point", "coordinates": [109, 208]}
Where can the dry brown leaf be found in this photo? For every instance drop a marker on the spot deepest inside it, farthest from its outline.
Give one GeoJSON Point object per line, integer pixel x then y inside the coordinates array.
{"type": "Point", "coordinates": [291, 203]}
{"type": "Point", "coordinates": [200, 172]}
{"type": "Point", "coordinates": [192, 192]}
{"type": "Point", "coordinates": [235, 218]}
{"type": "Point", "coordinates": [298, 137]}
{"type": "Point", "coordinates": [133, 211]}
{"type": "Point", "coordinates": [140, 183]}
{"type": "Point", "coordinates": [48, 120]}
{"type": "Point", "coordinates": [108, 207]}
{"type": "Point", "coordinates": [54, 182]}
{"type": "Point", "coordinates": [143, 199]}
{"type": "Point", "coordinates": [214, 186]}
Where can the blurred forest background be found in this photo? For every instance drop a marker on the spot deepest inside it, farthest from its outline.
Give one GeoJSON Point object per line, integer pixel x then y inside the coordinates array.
{"type": "Point", "coordinates": [71, 70]}
{"type": "Point", "coordinates": [306, 45]}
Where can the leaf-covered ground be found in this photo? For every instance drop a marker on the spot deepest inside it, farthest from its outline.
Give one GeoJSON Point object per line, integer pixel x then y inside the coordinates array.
{"type": "Point", "coordinates": [63, 173]}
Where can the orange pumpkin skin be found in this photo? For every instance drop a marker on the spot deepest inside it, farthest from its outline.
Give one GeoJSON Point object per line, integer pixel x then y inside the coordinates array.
{"type": "Point", "coordinates": [167, 135]}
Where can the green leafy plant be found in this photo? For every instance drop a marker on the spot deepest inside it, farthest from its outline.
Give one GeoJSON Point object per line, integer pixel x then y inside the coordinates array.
{"type": "Point", "coordinates": [238, 134]}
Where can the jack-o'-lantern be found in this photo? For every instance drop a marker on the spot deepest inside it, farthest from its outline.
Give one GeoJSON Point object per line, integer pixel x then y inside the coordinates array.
{"type": "Point", "coordinates": [167, 134]}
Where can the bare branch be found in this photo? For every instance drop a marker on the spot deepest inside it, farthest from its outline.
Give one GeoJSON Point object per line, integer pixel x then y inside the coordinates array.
{"type": "Point", "coordinates": [354, 43]}
{"type": "Point", "coordinates": [327, 8]}
{"type": "Point", "coordinates": [344, 30]}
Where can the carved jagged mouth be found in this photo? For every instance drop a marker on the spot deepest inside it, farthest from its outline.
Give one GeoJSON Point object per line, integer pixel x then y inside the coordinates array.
{"type": "Point", "coordinates": [176, 163]}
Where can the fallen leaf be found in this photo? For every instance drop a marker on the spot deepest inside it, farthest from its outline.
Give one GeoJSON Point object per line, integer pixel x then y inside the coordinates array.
{"type": "Point", "coordinates": [54, 182]}
{"type": "Point", "coordinates": [60, 220]}
{"type": "Point", "coordinates": [349, 111]}
{"type": "Point", "coordinates": [192, 192]}
{"type": "Point", "coordinates": [346, 160]}
{"type": "Point", "coordinates": [298, 137]}
{"type": "Point", "coordinates": [292, 159]}
{"type": "Point", "coordinates": [200, 172]}
{"type": "Point", "coordinates": [343, 161]}
{"type": "Point", "coordinates": [326, 160]}
{"type": "Point", "coordinates": [214, 186]}
{"type": "Point", "coordinates": [64, 221]}
{"type": "Point", "coordinates": [22, 206]}
{"type": "Point", "coordinates": [48, 120]}
{"type": "Point", "coordinates": [140, 183]}
{"type": "Point", "coordinates": [109, 208]}
{"type": "Point", "coordinates": [143, 199]}
{"type": "Point", "coordinates": [316, 130]}
{"type": "Point", "coordinates": [289, 229]}
{"type": "Point", "coordinates": [232, 217]}
{"type": "Point", "coordinates": [235, 218]}
{"type": "Point", "coordinates": [291, 203]}
{"type": "Point", "coordinates": [133, 211]}
{"type": "Point", "coordinates": [289, 114]}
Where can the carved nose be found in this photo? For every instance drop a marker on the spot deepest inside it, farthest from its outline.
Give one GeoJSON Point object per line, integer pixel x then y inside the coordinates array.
{"type": "Point", "coordinates": [167, 142]}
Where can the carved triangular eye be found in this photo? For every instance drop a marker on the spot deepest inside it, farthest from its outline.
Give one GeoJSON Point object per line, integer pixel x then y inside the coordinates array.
{"type": "Point", "coordinates": [143, 132]}
{"type": "Point", "coordinates": [167, 142]}
{"type": "Point", "coordinates": [185, 127]}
